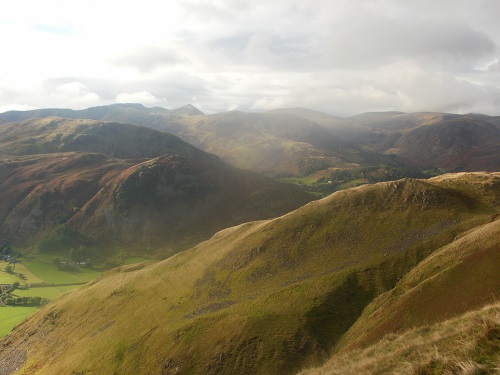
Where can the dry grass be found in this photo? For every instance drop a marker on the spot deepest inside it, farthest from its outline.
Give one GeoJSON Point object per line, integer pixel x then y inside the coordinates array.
{"type": "Point", "coordinates": [465, 345]}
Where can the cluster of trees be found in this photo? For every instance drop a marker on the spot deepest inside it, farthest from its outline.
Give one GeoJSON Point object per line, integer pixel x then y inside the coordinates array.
{"type": "Point", "coordinates": [7, 299]}
{"type": "Point", "coordinates": [6, 249]}
{"type": "Point", "coordinates": [309, 166]}
{"type": "Point", "coordinates": [381, 173]}
{"type": "Point", "coordinates": [23, 301]}
{"type": "Point", "coordinates": [344, 178]}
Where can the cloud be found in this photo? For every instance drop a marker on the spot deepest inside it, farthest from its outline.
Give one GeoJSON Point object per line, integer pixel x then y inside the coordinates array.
{"type": "Point", "coordinates": [143, 97]}
{"type": "Point", "coordinates": [148, 58]}
{"type": "Point", "coordinates": [376, 41]}
{"type": "Point", "coordinates": [16, 107]}
{"type": "Point", "coordinates": [340, 56]}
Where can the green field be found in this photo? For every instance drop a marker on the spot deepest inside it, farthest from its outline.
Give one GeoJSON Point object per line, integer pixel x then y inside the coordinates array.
{"type": "Point", "coordinates": [10, 316]}
{"type": "Point", "coordinates": [298, 180]}
{"type": "Point", "coordinates": [40, 268]}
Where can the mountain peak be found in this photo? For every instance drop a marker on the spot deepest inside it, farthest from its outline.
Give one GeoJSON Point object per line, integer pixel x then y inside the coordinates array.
{"type": "Point", "coordinates": [187, 110]}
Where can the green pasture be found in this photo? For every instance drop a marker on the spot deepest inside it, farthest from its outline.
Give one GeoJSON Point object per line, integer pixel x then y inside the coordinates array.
{"type": "Point", "coordinates": [298, 180]}
{"type": "Point", "coordinates": [7, 278]}
{"type": "Point", "coordinates": [352, 183]}
{"type": "Point", "coordinates": [40, 268]}
{"type": "Point", "coordinates": [11, 316]}
{"type": "Point", "coordinates": [49, 273]}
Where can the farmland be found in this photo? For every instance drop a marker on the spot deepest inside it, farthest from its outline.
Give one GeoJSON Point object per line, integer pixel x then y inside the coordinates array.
{"type": "Point", "coordinates": [46, 280]}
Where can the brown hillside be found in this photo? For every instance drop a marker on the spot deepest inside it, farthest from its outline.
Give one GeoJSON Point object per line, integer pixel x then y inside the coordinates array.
{"type": "Point", "coordinates": [271, 143]}
{"type": "Point", "coordinates": [460, 143]}
{"type": "Point", "coordinates": [41, 192]}
{"type": "Point", "coordinates": [299, 141]}
{"type": "Point", "coordinates": [70, 183]}
{"type": "Point", "coordinates": [54, 134]}
{"type": "Point", "coordinates": [174, 201]}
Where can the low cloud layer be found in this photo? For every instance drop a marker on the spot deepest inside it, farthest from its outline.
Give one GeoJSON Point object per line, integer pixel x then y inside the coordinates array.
{"type": "Point", "coordinates": [341, 56]}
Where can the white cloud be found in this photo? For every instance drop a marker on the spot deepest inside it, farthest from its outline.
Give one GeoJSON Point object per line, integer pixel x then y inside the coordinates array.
{"type": "Point", "coordinates": [341, 56]}
{"type": "Point", "coordinates": [16, 107]}
{"type": "Point", "coordinates": [143, 97]}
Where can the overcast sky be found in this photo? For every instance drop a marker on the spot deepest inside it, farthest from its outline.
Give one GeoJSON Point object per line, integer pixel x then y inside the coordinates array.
{"type": "Point", "coordinates": [343, 57]}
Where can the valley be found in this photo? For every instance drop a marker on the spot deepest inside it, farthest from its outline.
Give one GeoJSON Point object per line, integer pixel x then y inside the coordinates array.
{"type": "Point", "coordinates": [142, 240]}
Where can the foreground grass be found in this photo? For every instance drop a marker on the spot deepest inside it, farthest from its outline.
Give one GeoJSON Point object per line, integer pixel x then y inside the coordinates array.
{"type": "Point", "coordinates": [469, 344]}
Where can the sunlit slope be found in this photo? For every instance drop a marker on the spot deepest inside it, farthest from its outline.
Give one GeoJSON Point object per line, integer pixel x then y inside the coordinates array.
{"type": "Point", "coordinates": [418, 326]}
{"type": "Point", "coordinates": [461, 276]}
{"type": "Point", "coordinates": [267, 297]}
{"type": "Point", "coordinates": [467, 344]}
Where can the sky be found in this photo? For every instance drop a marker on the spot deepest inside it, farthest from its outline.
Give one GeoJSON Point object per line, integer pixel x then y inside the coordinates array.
{"type": "Point", "coordinates": [343, 57]}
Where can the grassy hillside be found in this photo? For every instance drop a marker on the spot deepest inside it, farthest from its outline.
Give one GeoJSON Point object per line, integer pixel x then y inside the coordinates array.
{"type": "Point", "coordinates": [467, 344]}
{"type": "Point", "coordinates": [267, 297]}
{"type": "Point", "coordinates": [434, 291]}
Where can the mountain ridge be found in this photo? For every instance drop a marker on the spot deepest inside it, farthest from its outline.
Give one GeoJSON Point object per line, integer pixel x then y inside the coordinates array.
{"type": "Point", "coordinates": [269, 296]}
{"type": "Point", "coordinates": [320, 143]}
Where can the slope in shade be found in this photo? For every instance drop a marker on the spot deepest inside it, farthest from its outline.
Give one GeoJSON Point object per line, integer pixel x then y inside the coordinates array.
{"type": "Point", "coordinates": [105, 185]}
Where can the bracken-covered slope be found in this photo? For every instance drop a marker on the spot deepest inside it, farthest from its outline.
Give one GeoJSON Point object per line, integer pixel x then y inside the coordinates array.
{"type": "Point", "coordinates": [105, 185]}
{"type": "Point", "coordinates": [276, 296]}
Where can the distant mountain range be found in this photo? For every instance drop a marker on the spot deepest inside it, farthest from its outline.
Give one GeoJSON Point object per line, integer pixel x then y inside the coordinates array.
{"type": "Point", "coordinates": [406, 259]}
{"type": "Point", "coordinates": [302, 142]}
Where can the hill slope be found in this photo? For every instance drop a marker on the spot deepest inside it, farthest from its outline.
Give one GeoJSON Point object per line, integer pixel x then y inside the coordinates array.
{"type": "Point", "coordinates": [126, 141]}
{"type": "Point", "coordinates": [299, 141]}
{"type": "Point", "coordinates": [426, 139]}
{"type": "Point", "coordinates": [70, 183]}
{"type": "Point", "coordinates": [269, 143]}
{"type": "Point", "coordinates": [467, 344]}
{"type": "Point", "coordinates": [264, 297]}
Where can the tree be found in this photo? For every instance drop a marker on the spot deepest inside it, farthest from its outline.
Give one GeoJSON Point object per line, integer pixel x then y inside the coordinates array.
{"type": "Point", "coordinates": [12, 288]}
